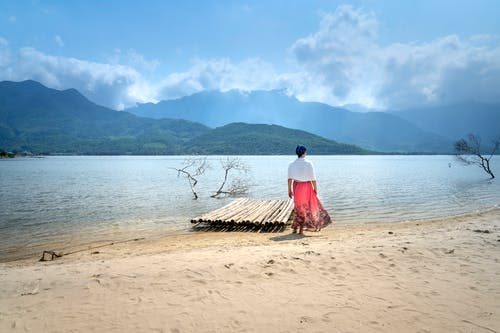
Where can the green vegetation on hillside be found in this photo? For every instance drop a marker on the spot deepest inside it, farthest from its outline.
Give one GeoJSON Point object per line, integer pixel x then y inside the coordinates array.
{"type": "Point", "coordinates": [39, 120]}
{"type": "Point", "coordinates": [232, 139]}
{"type": "Point", "coordinates": [42, 120]}
{"type": "Point", "coordinates": [257, 139]}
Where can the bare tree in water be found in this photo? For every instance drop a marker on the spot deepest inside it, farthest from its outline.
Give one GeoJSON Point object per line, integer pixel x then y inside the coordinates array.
{"type": "Point", "coordinates": [237, 185]}
{"type": "Point", "coordinates": [192, 169]}
{"type": "Point", "coordinates": [468, 151]}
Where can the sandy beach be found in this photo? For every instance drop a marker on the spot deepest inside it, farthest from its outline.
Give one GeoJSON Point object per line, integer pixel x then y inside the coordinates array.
{"type": "Point", "coordinates": [429, 276]}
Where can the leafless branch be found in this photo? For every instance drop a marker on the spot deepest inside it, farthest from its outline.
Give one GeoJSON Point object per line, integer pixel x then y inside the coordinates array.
{"type": "Point", "coordinates": [238, 185]}
{"type": "Point", "coordinates": [496, 144]}
{"type": "Point", "coordinates": [469, 152]}
{"type": "Point", "coordinates": [192, 169]}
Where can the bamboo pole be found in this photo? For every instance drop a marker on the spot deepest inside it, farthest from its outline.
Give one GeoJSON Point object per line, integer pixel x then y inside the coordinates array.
{"type": "Point", "coordinates": [287, 207]}
{"type": "Point", "coordinates": [228, 210]}
{"type": "Point", "coordinates": [207, 215]}
{"type": "Point", "coordinates": [286, 212]}
{"type": "Point", "coordinates": [241, 209]}
{"type": "Point", "coordinates": [245, 217]}
{"type": "Point", "coordinates": [268, 212]}
{"type": "Point", "coordinates": [274, 217]}
{"type": "Point", "coordinates": [252, 217]}
{"type": "Point", "coordinates": [246, 213]}
{"type": "Point", "coordinates": [277, 212]}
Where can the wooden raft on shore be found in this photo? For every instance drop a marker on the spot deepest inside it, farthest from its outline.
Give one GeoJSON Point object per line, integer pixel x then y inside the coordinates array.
{"type": "Point", "coordinates": [249, 213]}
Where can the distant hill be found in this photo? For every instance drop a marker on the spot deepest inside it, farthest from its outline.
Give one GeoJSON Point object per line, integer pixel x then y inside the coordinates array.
{"type": "Point", "coordinates": [371, 130]}
{"type": "Point", "coordinates": [456, 121]}
{"type": "Point", "coordinates": [258, 139]}
{"type": "Point", "coordinates": [42, 120]}
{"type": "Point", "coordinates": [38, 119]}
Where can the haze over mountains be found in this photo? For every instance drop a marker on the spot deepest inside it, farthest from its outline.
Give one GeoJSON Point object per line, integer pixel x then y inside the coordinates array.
{"type": "Point", "coordinates": [425, 130]}
{"type": "Point", "coordinates": [455, 121]}
{"type": "Point", "coordinates": [42, 120]}
{"type": "Point", "coordinates": [36, 118]}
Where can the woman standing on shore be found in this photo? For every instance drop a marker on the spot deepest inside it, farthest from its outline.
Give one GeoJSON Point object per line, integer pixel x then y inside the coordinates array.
{"type": "Point", "coordinates": [309, 213]}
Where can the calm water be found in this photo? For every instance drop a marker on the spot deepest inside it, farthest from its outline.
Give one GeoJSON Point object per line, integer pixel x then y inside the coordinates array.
{"type": "Point", "coordinates": [54, 202]}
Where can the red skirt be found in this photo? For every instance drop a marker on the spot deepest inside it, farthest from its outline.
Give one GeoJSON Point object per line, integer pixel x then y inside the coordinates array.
{"type": "Point", "coordinates": [309, 213]}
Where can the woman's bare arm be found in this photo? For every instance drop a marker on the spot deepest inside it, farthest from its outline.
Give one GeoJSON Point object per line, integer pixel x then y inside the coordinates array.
{"type": "Point", "coordinates": [290, 192]}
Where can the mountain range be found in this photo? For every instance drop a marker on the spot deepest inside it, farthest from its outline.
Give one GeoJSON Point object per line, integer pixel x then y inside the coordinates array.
{"type": "Point", "coordinates": [458, 120]}
{"type": "Point", "coordinates": [43, 120]}
{"type": "Point", "coordinates": [430, 130]}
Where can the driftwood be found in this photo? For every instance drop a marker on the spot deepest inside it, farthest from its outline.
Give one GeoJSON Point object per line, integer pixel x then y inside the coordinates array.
{"type": "Point", "coordinates": [52, 255]}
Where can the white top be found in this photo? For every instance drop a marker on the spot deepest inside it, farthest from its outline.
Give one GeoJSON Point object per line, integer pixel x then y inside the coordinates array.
{"type": "Point", "coordinates": [301, 170]}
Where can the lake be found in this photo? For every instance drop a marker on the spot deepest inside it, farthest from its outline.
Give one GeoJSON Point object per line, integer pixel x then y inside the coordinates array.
{"type": "Point", "coordinates": [61, 201]}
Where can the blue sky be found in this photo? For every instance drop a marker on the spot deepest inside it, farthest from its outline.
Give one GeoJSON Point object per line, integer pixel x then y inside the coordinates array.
{"type": "Point", "coordinates": [380, 54]}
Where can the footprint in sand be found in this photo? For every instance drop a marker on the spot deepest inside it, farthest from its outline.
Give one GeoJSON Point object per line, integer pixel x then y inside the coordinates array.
{"type": "Point", "coordinates": [326, 317]}
{"type": "Point", "coordinates": [306, 319]}
{"type": "Point", "coordinates": [200, 281]}
{"type": "Point", "coordinates": [32, 288]}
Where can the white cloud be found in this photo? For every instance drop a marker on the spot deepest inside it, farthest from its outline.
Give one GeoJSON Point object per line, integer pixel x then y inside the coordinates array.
{"type": "Point", "coordinates": [342, 63]}
{"type": "Point", "coordinates": [137, 60]}
{"type": "Point", "coordinates": [114, 86]}
{"type": "Point", "coordinates": [59, 41]}
{"type": "Point", "coordinates": [133, 59]}
{"type": "Point", "coordinates": [219, 74]}
{"type": "Point", "coordinates": [444, 71]}
{"type": "Point", "coordinates": [333, 60]}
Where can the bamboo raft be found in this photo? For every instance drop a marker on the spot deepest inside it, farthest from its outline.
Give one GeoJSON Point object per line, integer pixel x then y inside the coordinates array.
{"type": "Point", "coordinates": [249, 214]}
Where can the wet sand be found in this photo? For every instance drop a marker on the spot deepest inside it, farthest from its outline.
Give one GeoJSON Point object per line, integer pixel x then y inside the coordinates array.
{"type": "Point", "coordinates": [429, 276]}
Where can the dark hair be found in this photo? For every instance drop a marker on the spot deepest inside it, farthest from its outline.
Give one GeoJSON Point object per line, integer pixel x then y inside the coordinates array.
{"type": "Point", "coordinates": [300, 150]}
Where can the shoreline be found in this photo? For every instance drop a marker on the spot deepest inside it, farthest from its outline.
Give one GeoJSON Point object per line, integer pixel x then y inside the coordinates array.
{"type": "Point", "coordinates": [171, 232]}
{"type": "Point", "coordinates": [438, 275]}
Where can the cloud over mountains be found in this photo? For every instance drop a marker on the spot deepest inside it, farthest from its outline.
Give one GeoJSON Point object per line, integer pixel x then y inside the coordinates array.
{"type": "Point", "coordinates": [343, 62]}
{"type": "Point", "coordinates": [352, 67]}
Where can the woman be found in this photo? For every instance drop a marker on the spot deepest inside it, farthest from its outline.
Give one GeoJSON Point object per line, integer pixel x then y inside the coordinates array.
{"type": "Point", "coordinates": [308, 210]}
